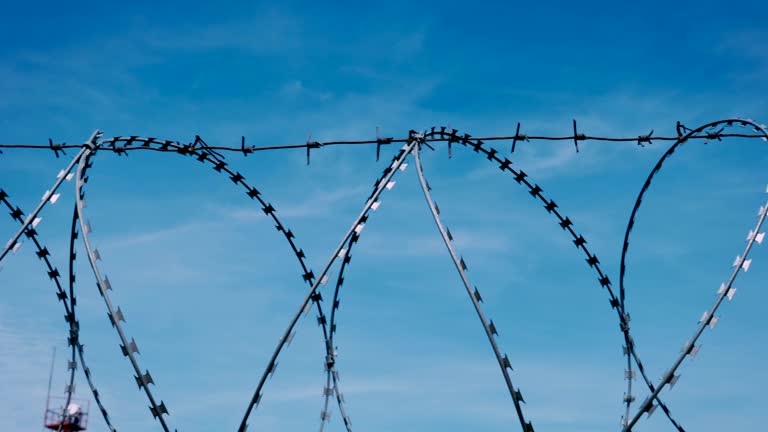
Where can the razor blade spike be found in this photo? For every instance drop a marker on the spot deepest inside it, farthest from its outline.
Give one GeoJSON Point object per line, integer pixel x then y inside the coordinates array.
{"type": "Point", "coordinates": [36, 222]}
{"type": "Point", "coordinates": [614, 303]}
{"type": "Point", "coordinates": [507, 364]}
{"type": "Point", "coordinates": [119, 315]}
{"type": "Point", "coordinates": [535, 191]}
{"type": "Point", "coordinates": [492, 328]}
{"type": "Point", "coordinates": [308, 276]}
{"type": "Point", "coordinates": [731, 293]}
{"type": "Point", "coordinates": [713, 321]}
{"type": "Point", "coordinates": [686, 347]}
{"type": "Point", "coordinates": [694, 351]}
{"type": "Point", "coordinates": [517, 395]}
{"type": "Point", "coordinates": [96, 255]}
{"type": "Point", "coordinates": [159, 411]}
{"type": "Point", "coordinates": [673, 380]}
{"type": "Point", "coordinates": [131, 348]}
{"type": "Point", "coordinates": [403, 166]}
{"type": "Point", "coordinates": [704, 317]}
{"type": "Point", "coordinates": [144, 379]}
{"type": "Point", "coordinates": [722, 288]}
{"type": "Point", "coordinates": [477, 296]}
{"type": "Point", "coordinates": [290, 338]}
{"type": "Point", "coordinates": [106, 283]}
{"type": "Point", "coordinates": [390, 184]}
{"type": "Point", "coordinates": [69, 388]}
{"type": "Point", "coordinates": [17, 214]}
{"type": "Point", "coordinates": [651, 408]}
{"type": "Point", "coordinates": [273, 368]}
{"type": "Point", "coordinates": [745, 265]}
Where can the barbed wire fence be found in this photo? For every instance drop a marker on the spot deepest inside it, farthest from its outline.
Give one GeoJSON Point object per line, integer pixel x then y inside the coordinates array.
{"type": "Point", "coordinates": [214, 156]}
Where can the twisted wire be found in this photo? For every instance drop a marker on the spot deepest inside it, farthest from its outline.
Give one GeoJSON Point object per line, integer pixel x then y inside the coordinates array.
{"type": "Point", "coordinates": [576, 137]}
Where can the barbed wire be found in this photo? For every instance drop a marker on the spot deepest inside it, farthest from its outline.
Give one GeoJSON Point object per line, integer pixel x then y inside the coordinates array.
{"type": "Point", "coordinates": [204, 153]}
{"type": "Point", "coordinates": [577, 137]}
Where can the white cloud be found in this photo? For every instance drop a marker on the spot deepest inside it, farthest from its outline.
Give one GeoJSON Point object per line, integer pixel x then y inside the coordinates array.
{"type": "Point", "coordinates": [320, 203]}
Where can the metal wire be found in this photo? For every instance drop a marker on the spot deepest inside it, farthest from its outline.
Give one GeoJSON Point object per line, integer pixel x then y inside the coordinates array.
{"type": "Point", "coordinates": [576, 137]}
{"type": "Point", "coordinates": [68, 301]}
{"type": "Point", "coordinates": [204, 153]}
{"type": "Point", "coordinates": [647, 405]}
{"type": "Point", "coordinates": [474, 296]}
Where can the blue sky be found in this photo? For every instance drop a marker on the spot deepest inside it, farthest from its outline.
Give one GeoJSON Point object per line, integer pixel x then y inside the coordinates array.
{"type": "Point", "coordinates": [207, 285]}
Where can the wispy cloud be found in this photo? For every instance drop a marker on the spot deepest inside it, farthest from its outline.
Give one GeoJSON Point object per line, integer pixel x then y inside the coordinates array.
{"type": "Point", "coordinates": [25, 354]}
{"type": "Point", "coordinates": [432, 245]}
{"type": "Point", "coordinates": [148, 238]}
{"type": "Point", "coordinates": [320, 203]}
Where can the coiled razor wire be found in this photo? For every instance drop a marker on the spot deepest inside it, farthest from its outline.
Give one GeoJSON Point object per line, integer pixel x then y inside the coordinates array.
{"type": "Point", "coordinates": [116, 315]}
{"type": "Point", "coordinates": [205, 153]}
{"type": "Point", "coordinates": [712, 133]}
{"type": "Point", "coordinates": [474, 295]}
{"type": "Point", "coordinates": [68, 302]}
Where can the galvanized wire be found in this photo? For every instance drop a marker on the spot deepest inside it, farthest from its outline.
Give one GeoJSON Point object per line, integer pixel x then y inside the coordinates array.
{"type": "Point", "coordinates": [474, 295]}
{"type": "Point", "coordinates": [210, 154]}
